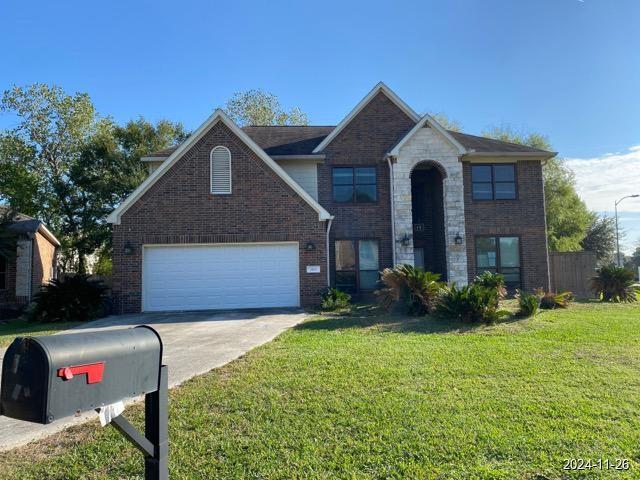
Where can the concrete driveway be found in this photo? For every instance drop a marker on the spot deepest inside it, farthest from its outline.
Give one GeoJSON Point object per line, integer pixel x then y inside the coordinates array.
{"type": "Point", "coordinates": [194, 343]}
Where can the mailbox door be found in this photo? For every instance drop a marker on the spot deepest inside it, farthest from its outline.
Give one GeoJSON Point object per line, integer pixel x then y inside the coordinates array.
{"type": "Point", "coordinates": [25, 378]}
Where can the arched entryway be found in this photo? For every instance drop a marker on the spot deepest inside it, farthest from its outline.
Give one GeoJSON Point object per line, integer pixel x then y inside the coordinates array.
{"type": "Point", "coordinates": [427, 205]}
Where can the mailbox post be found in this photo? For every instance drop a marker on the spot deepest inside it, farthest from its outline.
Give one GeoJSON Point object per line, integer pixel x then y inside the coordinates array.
{"type": "Point", "coordinates": [48, 378]}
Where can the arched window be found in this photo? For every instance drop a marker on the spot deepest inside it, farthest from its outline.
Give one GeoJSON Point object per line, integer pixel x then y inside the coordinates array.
{"type": "Point", "coordinates": [220, 170]}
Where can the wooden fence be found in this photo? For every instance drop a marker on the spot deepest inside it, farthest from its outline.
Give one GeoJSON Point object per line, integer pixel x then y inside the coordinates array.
{"type": "Point", "coordinates": [572, 271]}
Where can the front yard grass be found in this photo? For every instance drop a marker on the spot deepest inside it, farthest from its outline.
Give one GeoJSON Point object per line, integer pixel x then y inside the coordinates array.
{"type": "Point", "coordinates": [19, 327]}
{"type": "Point", "coordinates": [381, 396]}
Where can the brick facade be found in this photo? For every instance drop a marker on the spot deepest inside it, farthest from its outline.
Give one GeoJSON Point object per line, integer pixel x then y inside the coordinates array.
{"type": "Point", "coordinates": [523, 217]}
{"type": "Point", "coordinates": [178, 209]}
{"type": "Point", "coordinates": [37, 256]}
{"type": "Point", "coordinates": [364, 142]}
{"type": "Point", "coordinates": [44, 260]}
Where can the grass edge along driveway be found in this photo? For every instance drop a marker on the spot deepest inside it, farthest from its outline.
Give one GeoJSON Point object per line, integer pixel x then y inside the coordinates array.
{"type": "Point", "coordinates": [380, 396]}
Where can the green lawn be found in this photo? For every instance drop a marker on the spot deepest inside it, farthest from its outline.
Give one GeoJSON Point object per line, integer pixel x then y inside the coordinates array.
{"type": "Point", "coordinates": [381, 397]}
{"type": "Point", "coordinates": [19, 327]}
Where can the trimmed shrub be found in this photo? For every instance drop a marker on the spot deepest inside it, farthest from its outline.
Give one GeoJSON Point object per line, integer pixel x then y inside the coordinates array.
{"type": "Point", "coordinates": [615, 284]}
{"type": "Point", "coordinates": [76, 298]}
{"type": "Point", "coordinates": [471, 303]}
{"type": "Point", "coordinates": [415, 290]}
{"type": "Point", "coordinates": [528, 303]}
{"type": "Point", "coordinates": [334, 299]}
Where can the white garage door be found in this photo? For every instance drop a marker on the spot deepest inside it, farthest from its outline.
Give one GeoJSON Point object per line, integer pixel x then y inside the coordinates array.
{"type": "Point", "coordinates": [203, 277]}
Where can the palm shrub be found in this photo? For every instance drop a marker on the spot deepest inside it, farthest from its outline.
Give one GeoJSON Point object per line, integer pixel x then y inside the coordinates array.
{"type": "Point", "coordinates": [614, 284]}
{"type": "Point", "coordinates": [551, 300]}
{"type": "Point", "coordinates": [75, 298]}
{"type": "Point", "coordinates": [412, 288]}
{"type": "Point", "coordinates": [335, 299]}
{"type": "Point", "coordinates": [529, 303]}
{"type": "Point", "coordinates": [471, 303]}
{"type": "Point", "coordinates": [492, 280]}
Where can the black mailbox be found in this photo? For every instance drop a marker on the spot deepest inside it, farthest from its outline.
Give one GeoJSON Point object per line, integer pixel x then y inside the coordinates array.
{"type": "Point", "coordinates": [47, 378]}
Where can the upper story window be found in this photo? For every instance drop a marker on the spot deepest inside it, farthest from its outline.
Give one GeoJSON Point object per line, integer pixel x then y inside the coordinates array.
{"type": "Point", "coordinates": [493, 182]}
{"type": "Point", "coordinates": [220, 170]}
{"type": "Point", "coordinates": [3, 272]}
{"type": "Point", "coordinates": [354, 184]}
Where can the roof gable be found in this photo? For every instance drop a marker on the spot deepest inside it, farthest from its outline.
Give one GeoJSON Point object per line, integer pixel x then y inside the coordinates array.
{"type": "Point", "coordinates": [217, 116]}
{"type": "Point", "coordinates": [428, 120]}
{"type": "Point", "coordinates": [379, 88]}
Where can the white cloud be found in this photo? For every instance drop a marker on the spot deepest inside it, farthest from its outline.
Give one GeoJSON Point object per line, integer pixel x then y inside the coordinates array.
{"type": "Point", "coordinates": [600, 181]}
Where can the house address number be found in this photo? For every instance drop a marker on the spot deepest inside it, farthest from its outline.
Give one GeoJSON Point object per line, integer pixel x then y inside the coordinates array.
{"type": "Point", "coordinates": [313, 268]}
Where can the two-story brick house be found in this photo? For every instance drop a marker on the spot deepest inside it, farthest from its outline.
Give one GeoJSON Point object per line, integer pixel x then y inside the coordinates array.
{"type": "Point", "coordinates": [267, 216]}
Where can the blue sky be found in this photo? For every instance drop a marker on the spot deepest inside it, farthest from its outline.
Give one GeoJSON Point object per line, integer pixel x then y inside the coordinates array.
{"type": "Point", "coordinates": [567, 68]}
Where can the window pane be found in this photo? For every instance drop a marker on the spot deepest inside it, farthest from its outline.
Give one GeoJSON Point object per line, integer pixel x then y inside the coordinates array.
{"type": "Point", "coordinates": [511, 275]}
{"type": "Point", "coordinates": [504, 173]}
{"type": "Point", "coordinates": [368, 279]}
{"type": "Point", "coordinates": [345, 255]}
{"type": "Point", "coordinates": [368, 250]}
{"type": "Point", "coordinates": [365, 193]}
{"type": "Point", "coordinates": [481, 173]}
{"type": "Point", "coordinates": [343, 193]}
{"type": "Point", "coordinates": [366, 176]}
{"type": "Point", "coordinates": [482, 191]}
{"type": "Point", "coordinates": [3, 281]}
{"type": "Point", "coordinates": [346, 281]}
{"type": "Point", "coordinates": [509, 252]}
{"type": "Point", "coordinates": [485, 252]}
{"type": "Point", "coordinates": [343, 176]}
{"type": "Point", "coordinates": [418, 257]}
{"type": "Point", "coordinates": [505, 191]}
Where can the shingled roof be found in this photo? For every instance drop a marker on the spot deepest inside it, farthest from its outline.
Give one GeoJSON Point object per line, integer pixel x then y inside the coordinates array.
{"type": "Point", "coordinates": [484, 144]}
{"type": "Point", "coordinates": [301, 140]}
{"type": "Point", "coordinates": [23, 224]}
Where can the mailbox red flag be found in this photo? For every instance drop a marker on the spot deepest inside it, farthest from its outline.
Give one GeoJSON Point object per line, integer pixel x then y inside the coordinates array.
{"type": "Point", "coordinates": [94, 372]}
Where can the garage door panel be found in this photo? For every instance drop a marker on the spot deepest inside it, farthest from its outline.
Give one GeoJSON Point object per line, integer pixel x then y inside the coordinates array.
{"type": "Point", "coordinates": [220, 277]}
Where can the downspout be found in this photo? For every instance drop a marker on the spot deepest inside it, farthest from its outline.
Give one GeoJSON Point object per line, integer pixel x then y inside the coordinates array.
{"type": "Point", "coordinates": [393, 212]}
{"type": "Point", "coordinates": [328, 256]}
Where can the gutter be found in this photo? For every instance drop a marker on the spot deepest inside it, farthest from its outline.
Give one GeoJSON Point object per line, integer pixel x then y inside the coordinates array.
{"type": "Point", "coordinates": [532, 155]}
{"type": "Point", "coordinates": [393, 211]}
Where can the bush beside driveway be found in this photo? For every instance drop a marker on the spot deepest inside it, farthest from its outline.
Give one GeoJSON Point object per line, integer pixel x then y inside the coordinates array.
{"type": "Point", "coordinates": [381, 396]}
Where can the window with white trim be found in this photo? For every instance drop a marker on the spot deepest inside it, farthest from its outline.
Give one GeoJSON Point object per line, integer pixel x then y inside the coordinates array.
{"type": "Point", "coordinates": [220, 170]}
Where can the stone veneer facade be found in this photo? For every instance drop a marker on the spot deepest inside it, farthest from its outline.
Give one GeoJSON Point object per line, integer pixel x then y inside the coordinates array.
{"type": "Point", "coordinates": [428, 145]}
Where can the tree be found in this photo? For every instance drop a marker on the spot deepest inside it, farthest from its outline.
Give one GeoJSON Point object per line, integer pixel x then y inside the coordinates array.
{"type": "Point", "coordinates": [601, 238]}
{"type": "Point", "coordinates": [38, 154]}
{"type": "Point", "coordinates": [69, 167]}
{"type": "Point", "coordinates": [257, 107]}
{"type": "Point", "coordinates": [567, 215]}
{"type": "Point", "coordinates": [446, 122]}
{"type": "Point", "coordinates": [109, 169]}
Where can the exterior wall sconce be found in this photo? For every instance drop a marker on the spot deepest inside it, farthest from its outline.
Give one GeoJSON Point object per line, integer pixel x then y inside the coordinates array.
{"type": "Point", "coordinates": [128, 248]}
{"type": "Point", "coordinates": [405, 240]}
{"type": "Point", "coordinates": [310, 246]}
{"type": "Point", "coordinates": [458, 239]}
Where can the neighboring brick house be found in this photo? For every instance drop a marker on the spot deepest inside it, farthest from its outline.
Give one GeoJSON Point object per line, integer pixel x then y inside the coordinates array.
{"type": "Point", "coordinates": [267, 216]}
{"type": "Point", "coordinates": [31, 263]}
